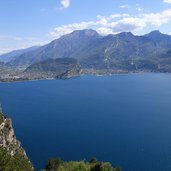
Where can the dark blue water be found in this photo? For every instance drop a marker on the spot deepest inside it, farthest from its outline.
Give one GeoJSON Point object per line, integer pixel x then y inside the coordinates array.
{"type": "Point", "coordinates": [124, 119]}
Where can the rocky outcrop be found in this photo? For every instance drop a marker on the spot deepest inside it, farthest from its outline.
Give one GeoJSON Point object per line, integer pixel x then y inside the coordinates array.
{"type": "Point", "coordinates": [8, 140]}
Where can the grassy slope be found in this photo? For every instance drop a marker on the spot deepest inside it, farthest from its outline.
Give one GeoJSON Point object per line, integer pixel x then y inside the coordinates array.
{"type": "Point", "coordinates": [13, 163]}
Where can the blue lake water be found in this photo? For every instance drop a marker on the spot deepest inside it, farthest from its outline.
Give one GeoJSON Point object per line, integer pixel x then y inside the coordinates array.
{"type": "Point", "coordinates": [123, 119]}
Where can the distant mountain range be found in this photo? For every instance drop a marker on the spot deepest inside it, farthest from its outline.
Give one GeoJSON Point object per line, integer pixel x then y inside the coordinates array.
{"type": "Point", "coordinates": [16, 53]}
{"type": "Point", "coordinates": [124, 51]}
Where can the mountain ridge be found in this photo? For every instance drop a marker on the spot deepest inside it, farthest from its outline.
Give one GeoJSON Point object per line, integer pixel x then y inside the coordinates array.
{"type": "Point", "coordinates": [114, 53]}
{"type": "Point", "coordinates": [88, 46]}
{"type": "Point", "coordinates": [6, 57]}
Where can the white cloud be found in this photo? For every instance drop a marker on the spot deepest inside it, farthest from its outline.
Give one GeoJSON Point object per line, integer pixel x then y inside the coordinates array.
{"type": "Point", "coordinates": [167, 1]}
{"type": "Point", "coordinates": [65, 4]}
{"type": "Point", "coordinates": [117, 23]}
{"type": "Point", "coordinates": [104, 31]}
{"type": "Point", "coordinates": [66, 29]}
{"type": "Point", "coordinates": [136, 7]}
{"type": "Point", "coordinates": [157, 19]}
{"type": "Point", "coordinates": [104, 25]}
{"type": "Point", "coordinates": [125, 6]}
{"type": "Point", "coordinates": [139, 9]}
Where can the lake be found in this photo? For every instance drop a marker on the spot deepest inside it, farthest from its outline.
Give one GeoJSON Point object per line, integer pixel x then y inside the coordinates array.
{"type": "Point", "coordinates": [124, 119]}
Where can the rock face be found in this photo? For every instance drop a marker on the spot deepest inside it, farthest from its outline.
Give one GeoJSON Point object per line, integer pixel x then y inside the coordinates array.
{"type": "Point", "coordinates": [7, 137]}
{"type": "Point", "coordinates": [9, 142]}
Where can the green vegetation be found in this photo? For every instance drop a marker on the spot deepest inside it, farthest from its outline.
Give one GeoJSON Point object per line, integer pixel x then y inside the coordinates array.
{"type": "Point", "coordinates": [56, 164]}
{"type": "Point", "coordinates": [60, 65]}
{"type": "Point", "coordinates": [13, 163]}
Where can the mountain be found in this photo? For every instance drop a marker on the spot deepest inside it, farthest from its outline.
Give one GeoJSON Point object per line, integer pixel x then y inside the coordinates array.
{"type": "Point", "coordinates": [158, 37]}
{"type": "Point", "coordinates": [9, 56]}
{"type": "Point", "coordinates": [66, 46]}
{"type": "Point", "coordinates": [109, 51]}
{"type": "Point", "coordinates": [123, 51]}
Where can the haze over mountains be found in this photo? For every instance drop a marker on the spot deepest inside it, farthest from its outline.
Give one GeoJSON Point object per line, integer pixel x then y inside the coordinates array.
{"type": "Point", "coordinates": [124, 51]}
{"type": "Point", "coordinates": [9, 56]}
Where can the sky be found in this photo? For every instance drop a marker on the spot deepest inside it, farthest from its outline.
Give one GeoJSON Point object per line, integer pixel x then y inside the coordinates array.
{"type": "Point", "coordinates": [26, 23]}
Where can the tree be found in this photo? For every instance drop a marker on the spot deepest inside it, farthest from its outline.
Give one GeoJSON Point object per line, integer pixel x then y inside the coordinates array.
{"type": "Point", "coordinates": [53, 164]}
{"type": "Point", "coordinates": [93, 160]}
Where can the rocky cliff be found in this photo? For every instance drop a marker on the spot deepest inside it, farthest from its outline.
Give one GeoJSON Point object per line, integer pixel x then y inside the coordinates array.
{"type": "Point", "coordinates": [12, 155]}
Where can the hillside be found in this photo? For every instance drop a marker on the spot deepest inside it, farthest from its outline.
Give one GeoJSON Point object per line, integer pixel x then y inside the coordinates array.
{"type": "Point", "coordinates": [123, 51]}
{"type": "Point", "coordinates": [53, 68]}
{"type": "Point", "coordinates": [66, 46]}
{"type": "Point", "coordinates": [59, 65]}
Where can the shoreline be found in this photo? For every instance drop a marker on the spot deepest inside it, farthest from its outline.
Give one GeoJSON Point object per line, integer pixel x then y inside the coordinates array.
{"type": "Point", "coordinates": [81, 75]}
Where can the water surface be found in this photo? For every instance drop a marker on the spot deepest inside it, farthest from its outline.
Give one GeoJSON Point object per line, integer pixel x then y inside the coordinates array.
{"type": "Point", "coordinates": [124, 119]}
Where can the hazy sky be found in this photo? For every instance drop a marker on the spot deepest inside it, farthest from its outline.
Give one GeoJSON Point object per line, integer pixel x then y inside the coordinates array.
{"type": "Point", "coordinates": [25, 23]}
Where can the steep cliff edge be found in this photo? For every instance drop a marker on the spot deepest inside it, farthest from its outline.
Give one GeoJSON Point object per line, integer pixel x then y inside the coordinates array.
{"type": "Point", "coordinates": [12, 155]}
